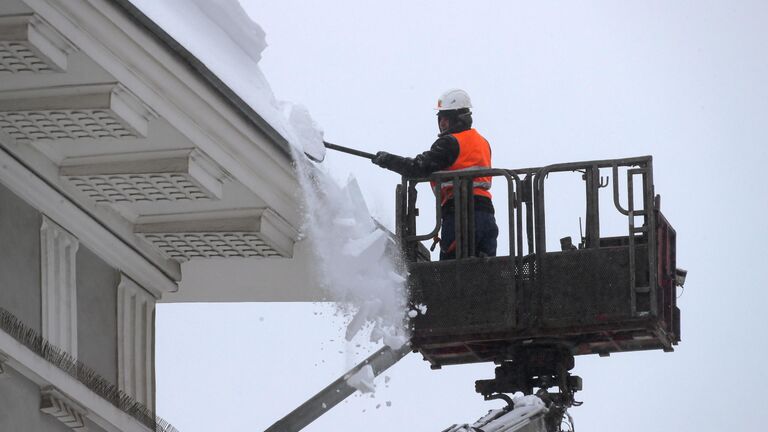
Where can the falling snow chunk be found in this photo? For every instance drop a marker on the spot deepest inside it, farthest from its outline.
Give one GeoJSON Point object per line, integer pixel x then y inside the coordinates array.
{"type": "Point", "coordinates": [412, 313]}
{"type": "Point", "coordinates": [307, 133]}
{"type": "Point", "coordinates": [345, 222]}
{"type": "Point", "coordinates": [361, 317]}
{"type": "Point", "coordinates": [324, 405]}
{"type": "Point", "coordinates": [372, 246]}
{"type": "Point", "coordinates": [377, 334]}
{"type": "Point", "coordinates": [396, 278]}
{"type": "Point", "coordinates": [362, 380]}
{"type": "Point", "coordinates": [395, 341]}
{"type": "Point", "coordinates": [356, 266]}
{"type": "Point", "coordinates": [356, 199]}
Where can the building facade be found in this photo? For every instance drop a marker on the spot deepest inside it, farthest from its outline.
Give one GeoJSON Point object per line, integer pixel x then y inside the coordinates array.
{"type": "Point", "coordinates": [124, 164]}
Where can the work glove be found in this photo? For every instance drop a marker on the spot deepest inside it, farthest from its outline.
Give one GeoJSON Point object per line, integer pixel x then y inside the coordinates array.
{"type": "Point", "coordinates": [382, 159]}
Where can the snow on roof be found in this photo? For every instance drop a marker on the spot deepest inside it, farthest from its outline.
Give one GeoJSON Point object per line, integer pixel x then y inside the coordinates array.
{"type": "Point", "coordinates": [222, 37]}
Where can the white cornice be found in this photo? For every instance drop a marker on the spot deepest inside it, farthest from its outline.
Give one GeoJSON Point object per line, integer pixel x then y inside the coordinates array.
{"type": "Point", "coordinates": [241, 233]}
{"type": "Point", "coordinates": [157, 76]}
{"type": "Point", "coordinates": [157, 176]}
{"type": "Point", "coordinates": [31, 45]}
{"type": "Point", "coordinates": [42, 167]}
{"type": "Point", "coordinates": [88, 230]}
{"type": "Point", "coordinates": [74, 112]}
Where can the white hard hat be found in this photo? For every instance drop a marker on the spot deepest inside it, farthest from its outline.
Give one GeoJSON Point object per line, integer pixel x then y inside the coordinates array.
{"type": "Point", "coordinates": [453, 99]}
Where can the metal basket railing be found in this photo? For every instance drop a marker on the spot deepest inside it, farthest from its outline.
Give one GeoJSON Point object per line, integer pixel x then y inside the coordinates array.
{"type": "Point", "coordinates": [525, 189]}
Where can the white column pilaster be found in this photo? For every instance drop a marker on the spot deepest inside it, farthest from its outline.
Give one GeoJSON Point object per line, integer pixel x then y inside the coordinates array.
{"type": "Point", "coordinates": [58, 251]}
{"type": "Point", "coordinates": [136, 310]}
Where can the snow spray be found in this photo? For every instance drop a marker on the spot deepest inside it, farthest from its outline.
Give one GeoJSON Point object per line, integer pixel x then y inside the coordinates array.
{"type": "Point", "coordinates": [356, 260]}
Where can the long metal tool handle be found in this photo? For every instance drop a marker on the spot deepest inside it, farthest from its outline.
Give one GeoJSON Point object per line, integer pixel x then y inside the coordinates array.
{"type": "Point", "coordinates": [339, 390]}
{"type": "Point", "coordinates": [349, 150]}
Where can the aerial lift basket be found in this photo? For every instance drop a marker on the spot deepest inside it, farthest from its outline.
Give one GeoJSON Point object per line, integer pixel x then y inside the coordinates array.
{"type": "Point", "coordinates": [608, 294]}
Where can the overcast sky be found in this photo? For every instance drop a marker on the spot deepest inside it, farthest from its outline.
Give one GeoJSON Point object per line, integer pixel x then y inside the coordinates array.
{"type": "Point", "coordinates": [684, 81]}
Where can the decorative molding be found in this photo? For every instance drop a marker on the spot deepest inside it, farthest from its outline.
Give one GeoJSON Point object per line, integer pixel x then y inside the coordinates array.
{"type": "Point", "coordinates": [186, 246]}
{"type": "Point", "coordinates": [159, 276]}
{"type": "Point", "coordinates": [181, 96]}
{"type": "Point", "coordinates": [73, 112]}
{"type": "Point", "coordinates": [136, 341]}
{"type": "Point", "coordinates": [18, 57]}
{"type": "Point", "coordinates": [40, 371]}
{"type": "Point", "coordinates": [58, 250]}
{"type": "Point", "coordinates": [221, 234]}
{"type": "Point", "coordinates": [30, 45]}
{"type": "Point", "coordinates": [184, 175]}
{"type": "Point", "coordinates": [43, 364]}
{"type": "Point", "coordinates": [54, 403]}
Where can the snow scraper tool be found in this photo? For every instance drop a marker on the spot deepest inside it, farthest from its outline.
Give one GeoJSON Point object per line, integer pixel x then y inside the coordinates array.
{"type": "Point", "coordinates": [337, 391]}
{"type": "Point", "coordinates": [320, 158]}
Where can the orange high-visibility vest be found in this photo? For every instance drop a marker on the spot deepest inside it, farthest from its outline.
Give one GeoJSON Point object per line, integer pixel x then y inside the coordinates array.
{"type": "Point", "coordinates": [474, 152]}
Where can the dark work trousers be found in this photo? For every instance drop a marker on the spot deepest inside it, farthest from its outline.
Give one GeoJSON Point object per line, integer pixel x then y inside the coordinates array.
{"type": "Point", "coordinates": [486, 233]}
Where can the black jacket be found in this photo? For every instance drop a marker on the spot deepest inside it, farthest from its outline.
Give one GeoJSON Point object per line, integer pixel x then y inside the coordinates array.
{"type": "Point", "coordinates": [442, 154]}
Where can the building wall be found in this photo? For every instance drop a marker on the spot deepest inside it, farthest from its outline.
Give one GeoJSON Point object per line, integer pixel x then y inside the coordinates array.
{"type": "Point", "coordinates": [96, 292]}
{"type": "Point", "coordinates": [20, 285]}
{"type": "Point", "coordinates": [20, 407]}
{"type": "Point", "coordinates": [97, 313]}
{"type": "Point", "coordinates": [20, 258]}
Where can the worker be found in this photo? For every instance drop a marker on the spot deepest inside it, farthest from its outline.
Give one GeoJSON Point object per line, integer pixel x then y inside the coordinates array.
{"type": "Point", "coordinates": [457, 147]}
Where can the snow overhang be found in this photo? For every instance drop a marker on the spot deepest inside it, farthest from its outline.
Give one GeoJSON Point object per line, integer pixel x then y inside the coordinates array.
{"type": "Point", "coordinates": [100, 109]}
{"type": "Point", "coordinates": [199, 67]}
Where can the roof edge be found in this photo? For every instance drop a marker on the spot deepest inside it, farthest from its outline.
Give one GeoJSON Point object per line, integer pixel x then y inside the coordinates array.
{"type": "Point", "coordinates": [195, 64]}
